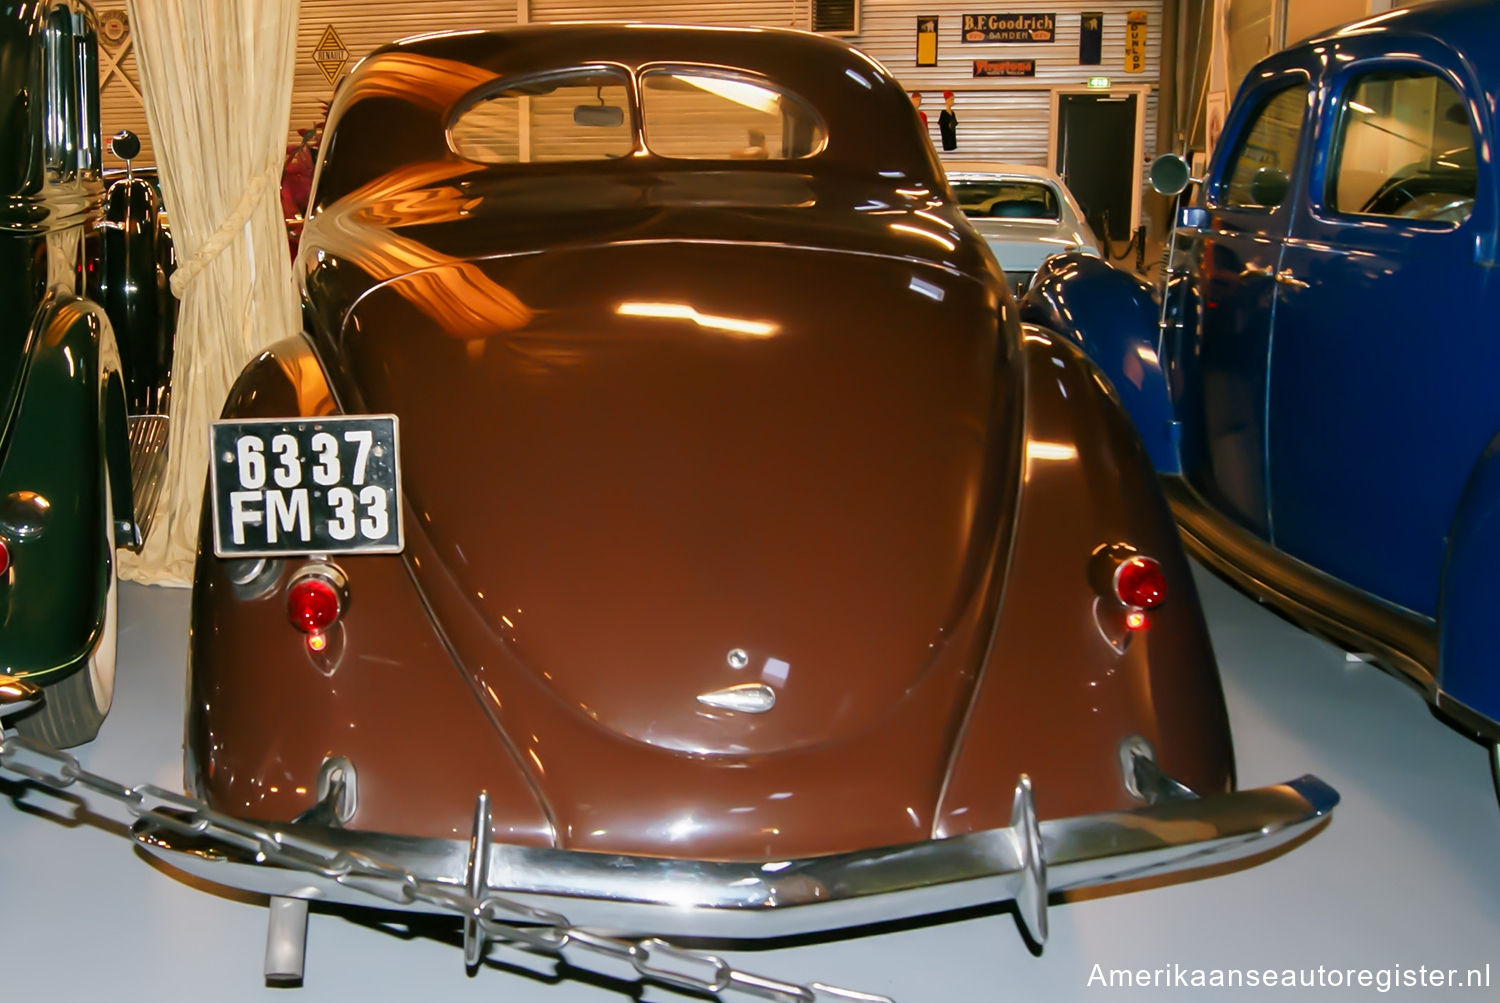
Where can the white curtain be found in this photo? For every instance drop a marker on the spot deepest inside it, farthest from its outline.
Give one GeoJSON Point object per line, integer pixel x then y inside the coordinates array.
{"type": "Point", "coordinates": [217, 80]}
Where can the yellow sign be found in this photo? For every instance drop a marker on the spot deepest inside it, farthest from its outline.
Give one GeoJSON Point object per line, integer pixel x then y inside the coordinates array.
{"type": "Point", "coordinates": [1135, 42]}
{"type": "Point", "coordinates": [330, 54]}
{"type": "Point", "coordinates": [927, 41]}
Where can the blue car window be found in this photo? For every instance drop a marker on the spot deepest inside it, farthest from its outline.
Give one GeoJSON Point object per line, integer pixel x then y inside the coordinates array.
{"type": "Point", "coordinates": [1260, 173]}
{"type": "Point", "coordinates": [1404, 149]}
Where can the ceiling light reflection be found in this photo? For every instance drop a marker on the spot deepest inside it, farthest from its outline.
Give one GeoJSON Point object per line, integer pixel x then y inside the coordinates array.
{"type": "Point", "coordinates": [682, 311]}
{"type": "Point", "coordinates": [924, 288]}
{"type": "Point", "coordinates": [1039, 449]}
{"type": "Point", "coordinates": [940, 221]}
{"type": "Point", "coordinates": [741, 92]}
{"type": "Point", "coordinates": [918, 231]}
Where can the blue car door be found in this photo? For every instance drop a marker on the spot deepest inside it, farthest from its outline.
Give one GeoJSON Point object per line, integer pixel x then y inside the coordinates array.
{"type": "Point", "coordinates": [1220, 363]}
{"type": "Point", "coordinates": [1385, 348]}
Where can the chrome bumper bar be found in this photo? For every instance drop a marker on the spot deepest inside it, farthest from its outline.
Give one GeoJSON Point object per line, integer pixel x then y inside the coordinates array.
{"type": "Point", "coordinates": [734, 900]}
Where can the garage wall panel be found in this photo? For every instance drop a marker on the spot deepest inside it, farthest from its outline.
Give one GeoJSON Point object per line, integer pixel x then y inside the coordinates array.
{"type": "Point", "coordinates": [364, 27]}
{"type": "Point", "coordinates": [888, 31]}
{"type": "Point", "coordinates": [762, 13]}
{"type": "Point", "coordinates": [1008, 125]}
{"type": "Point", "coordinates": [999, 118]}
{"type": "Point", "coordinates": [119, 102]}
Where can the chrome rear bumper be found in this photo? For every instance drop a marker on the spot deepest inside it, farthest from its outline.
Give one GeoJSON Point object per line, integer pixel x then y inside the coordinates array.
{"type": "Point", "coordinates": [750, 900]}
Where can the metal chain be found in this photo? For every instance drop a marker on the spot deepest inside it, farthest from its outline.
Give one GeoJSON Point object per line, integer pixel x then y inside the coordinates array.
{"type": "Point", "coordinates": [500, 918]}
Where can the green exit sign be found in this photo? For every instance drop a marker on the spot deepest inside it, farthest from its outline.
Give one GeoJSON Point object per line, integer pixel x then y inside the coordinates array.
{"type": "Point", "coordinates": [1099, 83]}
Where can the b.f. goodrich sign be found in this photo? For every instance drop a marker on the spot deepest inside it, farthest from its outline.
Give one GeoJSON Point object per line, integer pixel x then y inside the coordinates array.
{"type": "Point", "coordinates": [1010, 28]}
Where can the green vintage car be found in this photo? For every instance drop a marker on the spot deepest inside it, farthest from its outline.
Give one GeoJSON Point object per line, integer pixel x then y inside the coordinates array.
{"type": "Point", "coordinates": [85, 353]}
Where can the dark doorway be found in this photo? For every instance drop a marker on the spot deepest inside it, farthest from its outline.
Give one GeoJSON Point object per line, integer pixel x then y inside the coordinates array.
{"type": "Point", "coordinates": [1096, 157]}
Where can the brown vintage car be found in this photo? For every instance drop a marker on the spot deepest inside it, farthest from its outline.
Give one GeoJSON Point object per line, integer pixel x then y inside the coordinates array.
{"type": "Point", "coordinates": [730, 532]}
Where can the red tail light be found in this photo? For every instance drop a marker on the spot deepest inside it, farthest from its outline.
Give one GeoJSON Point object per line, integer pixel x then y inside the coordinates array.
{"type": "Point", "coordinates": [316, 598]}
{"type": "Point", "coordinates": [1139, 582]}
{"type": "Point", "coordinates": [312, 605]}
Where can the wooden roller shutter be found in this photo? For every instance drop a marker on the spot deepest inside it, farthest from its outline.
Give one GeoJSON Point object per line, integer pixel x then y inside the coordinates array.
{"type": "Point", "coordinates": [766, 13]}
{"type": "Point", "coordinates": [363, 27]}
{"type": "Point", "coordinates": [1005, 118]}
{"type": "Point", "coordinates": [120, 104]}
{"type": "Point", "coordinates": [1000, 119]}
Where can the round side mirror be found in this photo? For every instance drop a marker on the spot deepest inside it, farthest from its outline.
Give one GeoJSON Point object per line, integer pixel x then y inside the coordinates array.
{"type": "Point", "coordinates": [1268, 187]}
{"type": "Point", "coordinates": [1170, 174]}
{"type": "Point", "coordinates": [125, 144]}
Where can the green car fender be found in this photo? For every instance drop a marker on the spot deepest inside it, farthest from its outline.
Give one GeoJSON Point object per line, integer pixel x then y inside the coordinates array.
{"type": "Point", "coordinates": [67, 433]}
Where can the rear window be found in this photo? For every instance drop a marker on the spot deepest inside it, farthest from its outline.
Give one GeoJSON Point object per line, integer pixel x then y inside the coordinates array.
{"type": "Point", "coordinates": [715, 115]}
{"type": "Point", "coordinates": [686, 113]}
{"type": "Point", "coordinates": [1006, 199]}
{"type": "Point", "coordinates": [577, 115]}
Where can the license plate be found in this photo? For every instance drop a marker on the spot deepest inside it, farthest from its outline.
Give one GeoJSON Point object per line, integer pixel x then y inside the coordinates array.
{"type": "Point", "coordinates": [327, 485]}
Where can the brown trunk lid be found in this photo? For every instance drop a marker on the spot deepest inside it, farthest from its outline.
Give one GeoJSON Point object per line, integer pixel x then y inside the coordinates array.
{"type": "Point", "coordinates": [634, 460]}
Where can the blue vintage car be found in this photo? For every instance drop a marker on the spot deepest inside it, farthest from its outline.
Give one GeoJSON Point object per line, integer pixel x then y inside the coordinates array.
{"type": "Point", "coordinates": [1318, 382]}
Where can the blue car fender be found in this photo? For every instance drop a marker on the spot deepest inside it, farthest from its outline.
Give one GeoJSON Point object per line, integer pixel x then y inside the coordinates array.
{"type": "Point", "coordinates": [1466, 606]}
{"type": "Point", "coordinates": [1114, 317]}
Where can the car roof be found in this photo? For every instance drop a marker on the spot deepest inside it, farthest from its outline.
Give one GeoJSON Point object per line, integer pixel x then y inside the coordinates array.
{"type": "Point", "coordinates": [1471, 27]}
{"type": "Point", "coordinates": [1454, 19]}
{"type": "Point", "coordinates": [395, 105]}
{"type": "Point", "coordinates": [992, 167]}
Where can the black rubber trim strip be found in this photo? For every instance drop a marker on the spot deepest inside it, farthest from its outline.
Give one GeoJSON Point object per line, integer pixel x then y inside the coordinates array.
{"type": "Point", "coordinates": [1399, 639]}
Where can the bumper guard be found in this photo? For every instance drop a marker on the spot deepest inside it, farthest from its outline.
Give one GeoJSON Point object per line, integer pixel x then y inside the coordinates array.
{"type": "Point", "coordinates": [751, 900]}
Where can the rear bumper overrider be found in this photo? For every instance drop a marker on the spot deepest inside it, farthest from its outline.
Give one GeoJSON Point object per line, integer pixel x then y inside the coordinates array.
{"type": "Point", "coordinates": [750, 900]}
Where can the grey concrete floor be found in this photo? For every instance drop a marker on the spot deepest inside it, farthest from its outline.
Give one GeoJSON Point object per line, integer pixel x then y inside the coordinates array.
{"type": "Point", "coordinates": [1404, 877]}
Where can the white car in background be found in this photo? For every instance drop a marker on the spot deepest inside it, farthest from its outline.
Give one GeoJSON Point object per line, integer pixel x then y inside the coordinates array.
{"type": "Point", "coordinates": [1024, 213]}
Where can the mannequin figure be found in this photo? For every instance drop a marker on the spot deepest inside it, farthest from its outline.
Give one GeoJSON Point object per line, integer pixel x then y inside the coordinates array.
{"type": "Point", "coordinates": [948, 123]}
{"type": "Point", "coordinates": [916, 102]}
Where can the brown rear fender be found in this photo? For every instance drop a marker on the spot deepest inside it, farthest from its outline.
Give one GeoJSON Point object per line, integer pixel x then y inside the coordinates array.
{"type": "Point", "coordinates": [264, 712]}
{"type": "Point", "coordinates": [1055, 700]}
{"type": "Point", "coordinates": [285, 379]}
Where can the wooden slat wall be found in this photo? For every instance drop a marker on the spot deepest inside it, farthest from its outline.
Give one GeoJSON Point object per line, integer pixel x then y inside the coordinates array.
{"type": "Point", "coordinates": [365, 25]}
{"type": "Point", "coordinates": [769, 13]}
{"type": "Point", "coordinates": [119, 105]}
{"type": "Point", "coordinates": [362, 25]}
{"type": "Point", "coordinates": [1006, 119]}
{"type": "Point", "coordinates": [1000, 119]}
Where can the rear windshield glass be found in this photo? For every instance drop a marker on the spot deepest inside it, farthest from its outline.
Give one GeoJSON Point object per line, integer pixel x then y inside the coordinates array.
{"type": "Point", "coordinates": [1006, 199]}
{"type": "Point", "coordinates": [686, 113]}
{"type": "Point", "coordinates": [579, 115]}
{"type": "Point", "coordinates": [715, 115]}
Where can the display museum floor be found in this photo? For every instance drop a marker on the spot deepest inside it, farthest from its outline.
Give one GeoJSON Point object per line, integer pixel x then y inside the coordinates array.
{"type": "Point", "coordinates": [1404, 881]}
